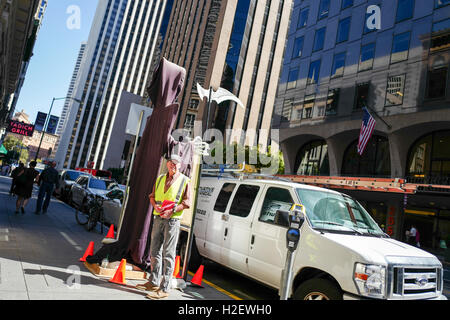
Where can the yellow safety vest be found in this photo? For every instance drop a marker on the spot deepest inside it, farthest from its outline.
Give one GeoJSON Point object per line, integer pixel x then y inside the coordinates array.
{"type": "Point", "coordinates": [174, 193]}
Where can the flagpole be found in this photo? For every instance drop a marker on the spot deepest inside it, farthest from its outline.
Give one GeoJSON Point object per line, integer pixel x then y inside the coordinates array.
{"type": "Point", "coordinates": [374, 112]}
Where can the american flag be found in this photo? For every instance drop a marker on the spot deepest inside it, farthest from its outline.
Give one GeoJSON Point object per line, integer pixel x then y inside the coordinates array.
{"type": "Point", "coordinates": [367, 127]}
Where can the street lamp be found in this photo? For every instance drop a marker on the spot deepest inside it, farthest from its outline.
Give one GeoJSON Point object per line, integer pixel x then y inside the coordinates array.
{"type": "Point", "coordinates": [47, 119]}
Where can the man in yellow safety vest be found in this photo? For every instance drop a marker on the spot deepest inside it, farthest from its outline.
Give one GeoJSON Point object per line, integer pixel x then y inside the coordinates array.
{"type": "Point", "coordinates": [170, 196]}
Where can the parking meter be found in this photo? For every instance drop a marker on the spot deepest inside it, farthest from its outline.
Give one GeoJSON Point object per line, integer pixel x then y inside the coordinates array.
{"type": "Point", "coordinates": [296, 219]}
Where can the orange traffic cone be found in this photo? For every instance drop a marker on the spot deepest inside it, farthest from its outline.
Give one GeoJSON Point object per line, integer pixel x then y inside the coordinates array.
{"type": "Point", "coordinates": [89, 251]}
{"type": "Point", "coordinates": [176, 271]}
{"type": "Point", "coordinates": [110, 232]}
{"type": "Point", "coordinates": [119, 276]}
{"type": "Point", "coordinates": [197, 279]}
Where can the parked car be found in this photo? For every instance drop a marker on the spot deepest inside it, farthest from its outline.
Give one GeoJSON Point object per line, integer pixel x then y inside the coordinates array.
{"type": "Point", "coordinates": [85, 187]}
{"type": "Point", "coordinates": [67, 178]}
{"type": "Point", "coordinates": [113, 206]}
{"type": "Point", "coordinates": [342, 253]}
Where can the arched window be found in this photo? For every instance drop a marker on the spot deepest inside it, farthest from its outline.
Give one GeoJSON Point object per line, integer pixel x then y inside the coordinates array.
{"type": "Point", "coordinates": [374, 162]}
{"type": "Point", "coordinates": [312, 159]}
{"type": "Point", "coordinates": [429, 158]}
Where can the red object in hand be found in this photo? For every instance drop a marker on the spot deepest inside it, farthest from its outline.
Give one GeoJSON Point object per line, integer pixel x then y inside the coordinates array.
{"type": "Point", "coordinates": [166, 205]}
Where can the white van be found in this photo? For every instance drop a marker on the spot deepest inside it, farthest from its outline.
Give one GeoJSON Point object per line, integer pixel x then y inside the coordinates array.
{"type": "Point", "coordinates": [342, 253]}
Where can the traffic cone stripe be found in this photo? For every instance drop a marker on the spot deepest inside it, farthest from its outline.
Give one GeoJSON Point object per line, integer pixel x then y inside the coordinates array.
{"type": "Point", "coordinates": [119, 276]}
{"type": "Point", "coordinates": [89, 251]}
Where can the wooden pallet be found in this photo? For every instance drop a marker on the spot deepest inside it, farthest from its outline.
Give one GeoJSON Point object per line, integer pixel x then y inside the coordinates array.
{"type": "Point", "coordinates": [134, 274]}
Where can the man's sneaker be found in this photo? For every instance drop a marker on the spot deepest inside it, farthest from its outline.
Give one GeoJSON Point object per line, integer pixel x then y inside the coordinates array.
{"type": "Point", "coordinates": [156, 295]}
{"type": "Point", "coordinates": [147, 287]}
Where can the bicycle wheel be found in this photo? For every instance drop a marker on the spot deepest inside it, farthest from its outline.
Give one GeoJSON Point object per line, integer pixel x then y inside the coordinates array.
{"type": "Point", "coordinates": [92, 220]}
{"type": "Point", "coordinates": [81, 217]}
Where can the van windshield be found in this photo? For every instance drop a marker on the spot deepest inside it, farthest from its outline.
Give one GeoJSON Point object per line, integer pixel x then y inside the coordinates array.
{"type": "Point", "coordinates": [337, 212]}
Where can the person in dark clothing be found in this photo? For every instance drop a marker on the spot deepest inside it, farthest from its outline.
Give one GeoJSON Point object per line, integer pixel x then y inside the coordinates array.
{"type": "Point", "coordinates": [14, 177]}
{"type": "Point", "coordinates": [24, 185]}
{"type": "Point", "coordinates": [47, 181]}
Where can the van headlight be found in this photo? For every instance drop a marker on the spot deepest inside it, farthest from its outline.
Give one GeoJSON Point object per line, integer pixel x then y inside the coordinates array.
{"type": "Point", "coordinates": [370, 280]}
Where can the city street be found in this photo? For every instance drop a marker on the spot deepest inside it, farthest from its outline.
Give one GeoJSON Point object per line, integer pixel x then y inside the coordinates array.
{"type": "Point", "coordinates": [39, 258]}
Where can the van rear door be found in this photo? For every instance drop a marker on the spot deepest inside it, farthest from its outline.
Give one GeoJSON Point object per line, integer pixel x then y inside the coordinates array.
{"type": "Point", "coordinates": [216, 222]}
{"type": "Point", "coordinates": [237, 227]}
{"type": "Point", "coordinates": [267, 254]}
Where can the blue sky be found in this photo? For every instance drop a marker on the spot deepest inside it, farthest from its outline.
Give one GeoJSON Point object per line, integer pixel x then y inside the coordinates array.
{"type": "Point", "coordinates": [54, 56]}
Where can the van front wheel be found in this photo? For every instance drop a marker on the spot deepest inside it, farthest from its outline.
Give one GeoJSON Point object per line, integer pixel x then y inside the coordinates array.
{"type": "Point", "coordinates": [317, 289]}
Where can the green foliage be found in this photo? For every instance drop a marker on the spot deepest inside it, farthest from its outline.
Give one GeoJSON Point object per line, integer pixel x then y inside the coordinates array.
{"type": "Point", "coordinates": [16, 150]}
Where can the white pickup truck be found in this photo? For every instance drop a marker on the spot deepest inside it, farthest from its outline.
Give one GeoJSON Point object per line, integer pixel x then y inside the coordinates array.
{"type": "Point", "coordinates": [342, 253]}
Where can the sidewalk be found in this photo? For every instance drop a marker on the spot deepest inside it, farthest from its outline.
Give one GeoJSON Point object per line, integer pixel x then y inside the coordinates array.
{"type": "Point", "coordinates": [39, 258]}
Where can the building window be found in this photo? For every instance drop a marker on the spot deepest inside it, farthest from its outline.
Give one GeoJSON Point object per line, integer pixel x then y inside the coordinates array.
{"type": "Point", "coordinates": [193, 104]}
{"type": "Point", "coordinates": [298, 47]}
{"type": "Point", "coordinates": [292, 78]}
{"type": "Point", "coordinates": [343, 30]}
{"type": "Point", "coordinates": [297, 112]}
{"type": "Point", "coordinates": [441, 3]}
{"type": "Point", "coordinates": [332, 102]}
{"type": "Point", "coordinates": [440, 40]}
{"type": "Point", "coordinates": [400, 47]}
{"type": "Point", "coordinates": [394, 90]}
{"type": "Point", "coordinates": [324, 7]}
{"type": "Point", "coordinates": [189, 121]}
{"type": "Point", "coordinates": [312, 159]}
{"type": "Point", "coordinates": [286, 111]}
{"type": "Point", "coordinates": [374, 162]}
{"type": "Point", "coordinates": [319, 39]}
{"type": "Point", "coordinates": [308, 106]}
{"type": "Point", "coordinates": [338, 65]}
{"type": "Point", "coordinates": [313, 74]}
{"type": "Point", "coordinates": [405, 9]}
{"type": "Point", "coordinates": [303, 18]}
{"type": "Point", "coordinates": [346, 4]}
{"type": "Point", "coordinates": [429, 159]}
{"type": "Point", "coordinates": [437, 83]}
{"type": "Point", "coordinates": [362, 95]}
{"type": "Point", "coordinates": [366, 57]}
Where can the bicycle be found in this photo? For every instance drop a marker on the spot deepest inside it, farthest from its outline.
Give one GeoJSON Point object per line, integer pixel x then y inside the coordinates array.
{"type": "Point", "coordinates": [91, 214]}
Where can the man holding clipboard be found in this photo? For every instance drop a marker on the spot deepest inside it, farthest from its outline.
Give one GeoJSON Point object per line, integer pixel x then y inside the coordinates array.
{"type": "Point", "coordinates": [169, 198]}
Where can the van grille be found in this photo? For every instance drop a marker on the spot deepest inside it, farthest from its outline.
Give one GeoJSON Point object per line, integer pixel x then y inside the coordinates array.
{"type": "Point", "coordinates": [415, 283]}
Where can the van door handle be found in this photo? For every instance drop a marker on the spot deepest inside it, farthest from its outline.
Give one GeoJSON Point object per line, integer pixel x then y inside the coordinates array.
{"type": "Point", "coordinates": [226, 232]}
{"type": "Point", "coordinates": [253, 239]}
{"type": "Point", "coordinates": [225, 217]}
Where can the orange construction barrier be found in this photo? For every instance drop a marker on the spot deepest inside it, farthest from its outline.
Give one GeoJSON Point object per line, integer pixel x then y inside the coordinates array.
{"type": "Point", "coordinates": [119, 276]}
{"type": "Point", "coordinates": [110, 232]}
{"type": "Point", "coordinates": [197, 279]}
{"type": "Point", "coordinates": [89, 251]}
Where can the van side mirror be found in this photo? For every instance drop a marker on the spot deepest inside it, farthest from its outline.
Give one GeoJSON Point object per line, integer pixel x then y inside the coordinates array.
{"type": "Point", "coordinates": [282, 218]}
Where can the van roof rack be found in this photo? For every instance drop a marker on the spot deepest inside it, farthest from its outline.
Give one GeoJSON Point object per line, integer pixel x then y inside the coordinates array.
{"type": "Point", "coordinates": [241, 175]}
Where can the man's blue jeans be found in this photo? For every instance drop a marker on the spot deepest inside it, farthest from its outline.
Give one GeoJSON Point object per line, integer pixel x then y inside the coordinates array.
{"type": "Point", "coordinates": [46, 189]}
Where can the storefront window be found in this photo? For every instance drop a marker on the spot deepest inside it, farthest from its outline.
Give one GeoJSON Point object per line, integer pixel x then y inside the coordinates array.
{"type": "Point", "coordinates": [374, 162]}
{"type": "Point", "coordinates": [312, 159]}
{"type": "Point", "coordinates": [429, 159]}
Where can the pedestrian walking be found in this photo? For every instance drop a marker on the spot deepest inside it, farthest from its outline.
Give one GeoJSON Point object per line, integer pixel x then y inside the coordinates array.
{"type": "Point", "coordinates": [48, 180]}
{"type": "Point", "coordinates": [24, 186]}
{"type": "Point", "coordinates": [170, 196]}
{"type": "Point", "coordinates": [14, 177]}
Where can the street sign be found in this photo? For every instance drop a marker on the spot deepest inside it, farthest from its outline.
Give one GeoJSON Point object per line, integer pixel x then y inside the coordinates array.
{"type": "Point", "coordinates": [21, 128]}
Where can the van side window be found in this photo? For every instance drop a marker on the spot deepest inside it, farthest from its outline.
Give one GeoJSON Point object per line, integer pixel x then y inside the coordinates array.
{"type": "Point", "coordinates": [224, 197]}
{"type": "Point", "coordinates": [243, 200]}
{"type": "Point", "coordinates": [275, 199]}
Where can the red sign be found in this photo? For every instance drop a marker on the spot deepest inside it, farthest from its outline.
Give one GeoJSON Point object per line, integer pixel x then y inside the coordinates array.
{"type": "Point", "coordinates": [22, 128]}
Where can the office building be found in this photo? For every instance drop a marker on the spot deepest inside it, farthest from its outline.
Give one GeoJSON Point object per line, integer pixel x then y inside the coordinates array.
{"type": "Point", "coordinates": [337, 61]}
{"type": "Point", "coordinates": [119, 54]}
{"type": "Point", "coordinates": [234, 45]}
